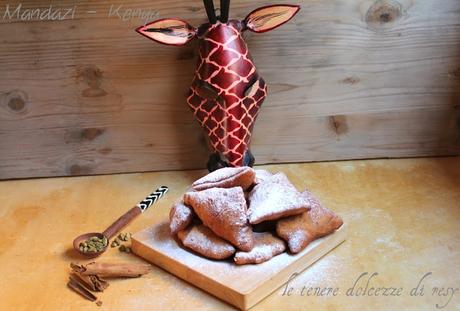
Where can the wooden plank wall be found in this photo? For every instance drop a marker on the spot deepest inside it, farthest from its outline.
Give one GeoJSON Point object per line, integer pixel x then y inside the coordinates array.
{"type": "Point", "coordinates": [347, 79]}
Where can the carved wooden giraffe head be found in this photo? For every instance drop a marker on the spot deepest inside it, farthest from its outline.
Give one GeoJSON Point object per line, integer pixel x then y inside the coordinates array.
{"type": "Point", "coordinates": [227, 92]}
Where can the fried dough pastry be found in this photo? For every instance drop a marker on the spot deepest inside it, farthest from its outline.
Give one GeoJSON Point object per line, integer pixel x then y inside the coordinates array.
{"type": "Point", "coordinates": [227, 177]}
{"type": "Point", "coordinates": [203, 241]}
{"type": "Point", "coordinates": [275, 198]}
{"type": "Point", "coordinates": [300, 230]}
{"type": "Point", "coordinates": [224, 212]}
{"type": "Point", "coordinates": [180, 216]}
{"type": "Point", "coordinates": [262, 175]}
{"type": "Point", "coordinates": [266, 246]}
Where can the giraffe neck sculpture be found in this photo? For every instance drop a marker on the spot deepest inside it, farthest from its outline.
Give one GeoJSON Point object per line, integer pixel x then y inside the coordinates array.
{"type": "Point", "coordinates": [227, 91]}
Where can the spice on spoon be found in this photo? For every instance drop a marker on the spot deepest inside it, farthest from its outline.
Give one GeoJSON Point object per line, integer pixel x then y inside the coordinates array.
{"type": "Point", "coordinates": [93, 245]}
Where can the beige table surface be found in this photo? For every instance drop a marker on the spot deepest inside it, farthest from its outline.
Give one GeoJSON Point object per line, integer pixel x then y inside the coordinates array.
{"type": "Point", "coordinates": [403, 216]}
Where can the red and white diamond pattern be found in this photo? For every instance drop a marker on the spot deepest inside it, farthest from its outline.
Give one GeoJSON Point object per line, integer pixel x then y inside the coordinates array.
{"type": "Point", "coordinates": [225, 64]}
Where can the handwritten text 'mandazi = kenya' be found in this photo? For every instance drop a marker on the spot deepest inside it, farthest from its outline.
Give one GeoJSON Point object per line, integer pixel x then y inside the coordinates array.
{"type": "Point", "coordinates": [52, 13]}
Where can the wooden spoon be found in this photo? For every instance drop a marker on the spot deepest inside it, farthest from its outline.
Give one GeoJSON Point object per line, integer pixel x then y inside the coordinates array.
{"type": "Point", "coordinates": [120, 223]}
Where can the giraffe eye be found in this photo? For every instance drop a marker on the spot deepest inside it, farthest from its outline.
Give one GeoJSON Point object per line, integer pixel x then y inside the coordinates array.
{"type": "Point", "coordinates": [252, 89]}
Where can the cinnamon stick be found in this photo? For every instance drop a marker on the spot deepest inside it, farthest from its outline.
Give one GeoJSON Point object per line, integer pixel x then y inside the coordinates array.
{"type": "Point", "coordinates": [91, 282]}
{"type": "Point", "coordinates": [77, 287]}
{"type": "Point", "coordinates": [112, 270]}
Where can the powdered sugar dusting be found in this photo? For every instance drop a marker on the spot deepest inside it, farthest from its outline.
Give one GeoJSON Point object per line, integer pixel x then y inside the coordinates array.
{"type": "Point", "coordinates": [219, 175]}
{"type": "Point", "coordinates": [160, 239]}
{"type": "Point", "coordinates": [241, 278]}
{"type": "Point", "coordinates": [274, 198]}
{"type": "Point", "coordinates": [262, 175]}
{"type": "Point", "coordinates": [266, 246]}
{"type": "Point", "coordinates": [297, 240]}
{"type": "Point", "coordinates": [296, 230]}
{"type": "Point", "coordinates": [323, 218]}
{"type": "Point", "coordinates": [180, 217]}
{"type": "Point", "coordinates": [300, 230]}
{"type": "Point", "coordinates": [224, 212]}
{"type": "Point", "coordinates": [202, 240]}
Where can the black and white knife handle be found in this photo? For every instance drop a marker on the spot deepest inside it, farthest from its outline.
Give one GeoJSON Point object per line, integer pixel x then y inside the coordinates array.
{"type": "Point", "coordinates": [130, 215]}
{"type": "Point", "coordinates": [152, 198]}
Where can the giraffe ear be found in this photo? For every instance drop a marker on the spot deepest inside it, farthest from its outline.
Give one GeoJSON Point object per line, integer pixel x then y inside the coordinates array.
{"type": "Point", "coordinates": [269, 17]}
{"type": "Point", "coordinates": [169, 31]}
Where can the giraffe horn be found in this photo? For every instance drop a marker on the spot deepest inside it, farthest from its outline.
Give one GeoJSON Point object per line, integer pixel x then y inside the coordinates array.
{"type": "Point", "coordinates": [209, 6]}
{"type": "Point", "coordinates": [224, 9]}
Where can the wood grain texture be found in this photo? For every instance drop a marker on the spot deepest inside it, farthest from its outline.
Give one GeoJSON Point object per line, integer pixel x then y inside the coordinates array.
{"type": "Point", "coordinates": [347, 79]}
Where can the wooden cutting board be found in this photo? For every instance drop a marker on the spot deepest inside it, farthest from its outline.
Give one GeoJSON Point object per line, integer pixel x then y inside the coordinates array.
{"type": "Point", "coordinates": [241, 286]}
